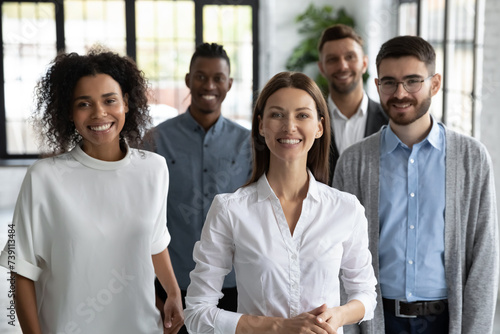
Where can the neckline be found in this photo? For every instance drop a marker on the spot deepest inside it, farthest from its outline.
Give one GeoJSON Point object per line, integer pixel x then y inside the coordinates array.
{"type": "Point", "coordinates": [93, 163]}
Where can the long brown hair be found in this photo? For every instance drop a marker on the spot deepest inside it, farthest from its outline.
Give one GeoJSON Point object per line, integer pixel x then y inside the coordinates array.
{"type": "Point", "coordinates": [317, 157]}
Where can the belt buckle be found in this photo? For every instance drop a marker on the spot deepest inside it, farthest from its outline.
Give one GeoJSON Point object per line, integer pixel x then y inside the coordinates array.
{"type": "Point", "coordinates": [398, 314]}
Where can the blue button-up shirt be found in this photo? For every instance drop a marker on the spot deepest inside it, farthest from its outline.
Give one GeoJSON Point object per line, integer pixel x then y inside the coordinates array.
{"type": "Point", "coordinates": [411, 213]}
{"type": "Point", "coordinates": [201, 164]}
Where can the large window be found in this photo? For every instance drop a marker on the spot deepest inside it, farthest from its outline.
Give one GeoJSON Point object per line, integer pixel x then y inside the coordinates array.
{"type": "Point", "coordinates": [452, 27]}
{"type": "Point", "coordinates": [160, 35]}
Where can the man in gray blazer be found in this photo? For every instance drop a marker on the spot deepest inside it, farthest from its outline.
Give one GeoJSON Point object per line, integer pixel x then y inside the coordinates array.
{"type": "Point", "coordinates": [430, 201]}
{"type": "Point", "coordinates": [353, 115]}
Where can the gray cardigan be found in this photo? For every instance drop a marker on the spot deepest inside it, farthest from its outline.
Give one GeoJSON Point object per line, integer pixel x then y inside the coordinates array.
{"type": "Point", "coordinates": [471, 229]}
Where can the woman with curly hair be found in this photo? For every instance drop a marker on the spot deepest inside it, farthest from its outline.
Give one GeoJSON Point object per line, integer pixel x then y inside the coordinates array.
{"type": "Point", "coordinates": [90, 229]}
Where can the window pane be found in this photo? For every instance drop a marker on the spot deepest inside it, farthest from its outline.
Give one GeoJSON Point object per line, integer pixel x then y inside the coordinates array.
{"type": "Point", "coordinates": [231, 26]}
{"type": "Point", "coordinates": [408, 19]}
{"type": "Point", "coordinates": [437, 101]}
{"type": "Point", "coordinates": [87, 23]}
{"type": "Point", "coordinates": [29, 44]}
{"type": "Point", "coordinates": [460, 65]}
{"type": "Point", "coordinates": [460, 76]}
{"type": "Point", "coordinates": [432, 30]}
{"type": "Point", "coordinates": [433, 20]}
{"type": "Point", "coordinates": [165, 43]}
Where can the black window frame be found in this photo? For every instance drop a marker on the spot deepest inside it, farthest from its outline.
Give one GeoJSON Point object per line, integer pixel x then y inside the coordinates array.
{"type": "Point", "coordinates": [7, 159]}
{"type": "Point", "coordinates": [445, 82]}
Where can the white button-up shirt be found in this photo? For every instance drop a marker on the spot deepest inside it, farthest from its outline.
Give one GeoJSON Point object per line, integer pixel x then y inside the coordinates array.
{"type": "Point", "coordinates": [348, 131]}
{"type": "Point", "coordinates": [279, 274]}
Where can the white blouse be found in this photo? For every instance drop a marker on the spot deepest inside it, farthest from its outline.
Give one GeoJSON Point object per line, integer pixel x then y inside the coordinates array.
{"type": "Point", "coordinates": [85, 230]}
{"type": "Point", "coordinates": [279, 274]}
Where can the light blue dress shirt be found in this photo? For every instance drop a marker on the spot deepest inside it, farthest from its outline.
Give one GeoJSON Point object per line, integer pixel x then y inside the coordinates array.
{"type": "Point", "coordinates": [201, 164]}
{"type": "Point", "coordinates": [411, 213]}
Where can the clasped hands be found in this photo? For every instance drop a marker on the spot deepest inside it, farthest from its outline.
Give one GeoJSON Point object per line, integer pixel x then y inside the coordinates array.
{"type": "Point", "coordinates": [321, 320]}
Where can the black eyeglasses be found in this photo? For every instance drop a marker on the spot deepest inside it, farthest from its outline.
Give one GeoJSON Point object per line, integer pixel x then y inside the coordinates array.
{"type": "Point", "coordinates": [411, 85]}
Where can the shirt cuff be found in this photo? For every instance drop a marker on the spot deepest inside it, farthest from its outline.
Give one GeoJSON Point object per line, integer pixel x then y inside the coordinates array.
{"type": "Point", "coordinates": [368, 302]}
{"type": "Point", "coordinates": [226, 322]}
{"type": "Point", "coordinates": [20, 267]}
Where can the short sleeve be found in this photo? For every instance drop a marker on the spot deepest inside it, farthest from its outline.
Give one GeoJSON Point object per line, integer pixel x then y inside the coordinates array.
{"type": "Point", "coordinates": [161, 236]}
{"type": "Point", "coordinates": [19, 254]}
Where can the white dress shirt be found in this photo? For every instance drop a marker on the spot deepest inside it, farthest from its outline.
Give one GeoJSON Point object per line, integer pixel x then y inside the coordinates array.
{"type": "Point", "coordinates": [348, 131]}
{"type": "Point", "coordinates": [279, 274]}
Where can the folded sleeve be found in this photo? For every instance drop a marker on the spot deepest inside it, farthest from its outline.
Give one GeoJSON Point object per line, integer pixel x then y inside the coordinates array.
{"type": "Point", "coordinates": [161, 236]}
{"type": "Point", "coordinates": [20, 252]}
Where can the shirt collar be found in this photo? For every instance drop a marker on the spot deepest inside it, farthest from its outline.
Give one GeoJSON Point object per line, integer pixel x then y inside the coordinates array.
{"type": "Point", "coordinates": [264, 190]}
{"type": "Point", "coordinates": [434, 137]}
{"type": "Point", "coordinates": [191, 122]}
{"type": "Point", "coordinates": [391, 141]}
{"type": "Point", "coordinates": [335, 112]}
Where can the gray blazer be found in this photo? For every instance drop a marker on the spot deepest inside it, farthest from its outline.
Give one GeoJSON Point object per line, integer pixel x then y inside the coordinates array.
{"type": "Point", "coordinates": [471, 228]}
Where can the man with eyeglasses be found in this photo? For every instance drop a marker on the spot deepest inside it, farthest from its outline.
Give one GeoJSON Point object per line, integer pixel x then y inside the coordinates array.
{"type": "Point", "coordinates": [430, 202]}
{"type": "Point", "coordinates": [353, 114]}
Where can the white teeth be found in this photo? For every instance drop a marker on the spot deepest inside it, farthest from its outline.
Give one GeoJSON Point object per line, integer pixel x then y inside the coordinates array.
{"type": "Point", "coordinates": [208, 97]}
{"type": "Point", "coordinates": [289, 141]}
{"type": "Point", "coordinates": [343, 75]}
{"type": "Point", "coordinates": [103, 127]}
{"type": "Point", "coordinates": [402, 105]}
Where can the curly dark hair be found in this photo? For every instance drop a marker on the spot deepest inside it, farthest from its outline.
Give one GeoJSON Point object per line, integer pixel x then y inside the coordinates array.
{"type": "Point", "coordinates": [54, 95]}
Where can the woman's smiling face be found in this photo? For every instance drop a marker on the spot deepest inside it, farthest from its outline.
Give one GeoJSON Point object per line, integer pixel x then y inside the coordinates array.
{"type": "Point", "coordinates": [98, 112]}
{"type": "Point", "coordinates": [290, 124]}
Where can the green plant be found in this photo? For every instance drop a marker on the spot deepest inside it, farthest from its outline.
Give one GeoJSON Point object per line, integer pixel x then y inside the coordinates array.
{"type": "Point", "coordinates": [312, 23]}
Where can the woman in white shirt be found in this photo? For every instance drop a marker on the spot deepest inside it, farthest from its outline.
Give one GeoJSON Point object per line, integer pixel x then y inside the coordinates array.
{"type": "Point", "coordinates": [286, 233]}
{"type": "Point", "coordinates": [89, 228]}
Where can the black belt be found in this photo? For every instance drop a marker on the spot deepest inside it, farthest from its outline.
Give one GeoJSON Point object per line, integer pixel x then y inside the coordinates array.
{"type": "Point", "coordinates": [412, 310]}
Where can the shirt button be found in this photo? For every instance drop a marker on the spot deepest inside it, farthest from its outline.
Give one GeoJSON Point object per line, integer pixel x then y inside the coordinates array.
{"type": "Point", "coordinates": [205, 170]}
{"type": "Point", "coordinates": [206, 145]}
{"type": "Point", "coordinates": [412, 227]}
{"type": "Point", "coordinates": [410, 294]}
{"type": "Point", "coordinates": [294, 257]}
{"type": "Point", "coordinates": [412, 194]}
{"type": "Point", "coordinates": [412, 161]}
{"type": "Point", "coordinates": [410, 262]}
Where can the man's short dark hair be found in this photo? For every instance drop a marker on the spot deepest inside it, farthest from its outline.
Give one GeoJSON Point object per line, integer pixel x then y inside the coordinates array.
{"type": "Point", "coordinates": [404, 46]}
{"type": "Point", "coordinates": [336, 32]}
{"type": "Point", "coordinates": [210, 50]}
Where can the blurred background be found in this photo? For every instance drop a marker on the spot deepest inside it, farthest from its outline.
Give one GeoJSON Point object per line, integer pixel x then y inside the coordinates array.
{"type": "Point", "coordinates": [262, 38]}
